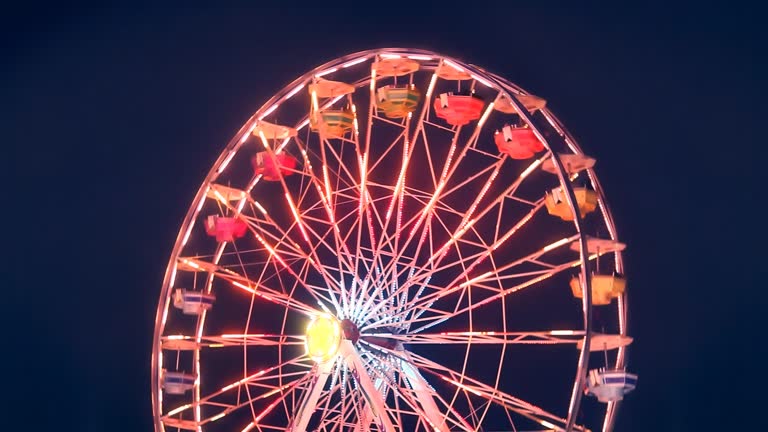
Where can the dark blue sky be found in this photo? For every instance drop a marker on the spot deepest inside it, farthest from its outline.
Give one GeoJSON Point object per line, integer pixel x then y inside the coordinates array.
{"type": "Point", "coordinates": [115, 114]}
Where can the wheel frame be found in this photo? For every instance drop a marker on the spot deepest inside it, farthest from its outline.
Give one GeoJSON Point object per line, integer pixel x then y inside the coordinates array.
{"type": "Point", "coordinates": [497, 82]}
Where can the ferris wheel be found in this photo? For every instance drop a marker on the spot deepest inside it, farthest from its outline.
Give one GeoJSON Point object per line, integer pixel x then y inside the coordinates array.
{"type": "Point", "coordinates": [396, 241]}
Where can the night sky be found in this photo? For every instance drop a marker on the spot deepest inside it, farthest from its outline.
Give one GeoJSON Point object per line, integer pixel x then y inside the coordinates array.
{"type": "Point", "coordinates": [115, 116]}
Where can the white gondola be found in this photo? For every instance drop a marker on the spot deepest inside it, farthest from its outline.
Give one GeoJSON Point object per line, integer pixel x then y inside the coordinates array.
{"type": "Point", "coordinates": [192, 302]}
{"type": "Point", "coordinates": [573, 163]}
{"type": "Point", "coordinates": [610, 385]}
{"type": "Point", "coordinates": [177, 383]}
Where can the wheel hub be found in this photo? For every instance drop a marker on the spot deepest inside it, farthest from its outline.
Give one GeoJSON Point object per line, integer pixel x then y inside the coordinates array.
{"type": "Point", "coordinates": [323, 338]}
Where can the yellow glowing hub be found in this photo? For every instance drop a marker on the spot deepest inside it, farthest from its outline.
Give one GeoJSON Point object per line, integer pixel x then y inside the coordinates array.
{"type": "Point", "coordinates": [323, 338]}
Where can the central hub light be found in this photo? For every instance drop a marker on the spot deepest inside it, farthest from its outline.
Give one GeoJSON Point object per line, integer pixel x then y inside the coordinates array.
{"type": "Point", "coordinates": [323, 338]}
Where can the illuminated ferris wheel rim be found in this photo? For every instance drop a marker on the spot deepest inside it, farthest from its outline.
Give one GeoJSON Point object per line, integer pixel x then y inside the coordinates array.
{"type": "Point", "coordinates": [428, 61]}
{"type": "Point", "coordinates": [486, 78]}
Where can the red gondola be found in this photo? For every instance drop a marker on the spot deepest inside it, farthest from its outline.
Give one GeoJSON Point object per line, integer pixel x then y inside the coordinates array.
{"type": "Point", "coordinates": [518, 142]}
{"type": "Point", "coordinates": [263, 164]}
{"type": "Point", "coordinates": [225, 228]}
{"type": "Point", "coordinates": [458, 109]}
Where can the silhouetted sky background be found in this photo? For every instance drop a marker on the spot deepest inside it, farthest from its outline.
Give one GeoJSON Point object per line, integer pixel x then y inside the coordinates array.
{"type": "Point", "coordinates": [116, 113]}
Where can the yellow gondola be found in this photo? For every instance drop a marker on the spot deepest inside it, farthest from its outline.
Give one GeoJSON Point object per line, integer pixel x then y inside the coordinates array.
{"type": "Point", "coordinates": [332, 123]}
{"type": "Point", "coordinates": [604, 288]}
{"type": "Point", "coordinates": [397, 101]}
{"type": "Point", "coordinates": [557, 205]}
